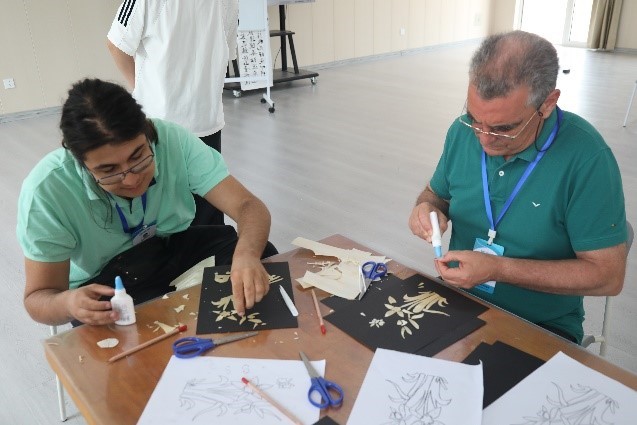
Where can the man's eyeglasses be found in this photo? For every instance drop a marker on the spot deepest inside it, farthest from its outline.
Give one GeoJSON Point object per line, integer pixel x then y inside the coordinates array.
{"type": "Point", "coordinates": [119, 177]}
{"type": "Point", "coordinates": [466, 119]}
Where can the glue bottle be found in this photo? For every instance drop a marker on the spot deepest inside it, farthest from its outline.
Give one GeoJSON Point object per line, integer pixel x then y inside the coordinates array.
{"type": "Point", "coordinates": [123, 304]}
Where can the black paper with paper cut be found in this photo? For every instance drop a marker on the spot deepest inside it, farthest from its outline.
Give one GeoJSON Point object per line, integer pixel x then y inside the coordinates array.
{"type": "Point", "coordinates": [216, 310]}
{"type": "Point", "coordinates": [406, 315]}
{"type": "Point", "coordinates": [503, 367]}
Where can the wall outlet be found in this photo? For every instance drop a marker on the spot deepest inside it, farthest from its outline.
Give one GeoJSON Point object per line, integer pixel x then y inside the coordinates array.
{"type": "Point", "coordinates": [477, 19]}
{"type": "Point", "coordinates": [402, 31]}
{"type": "Point", "coordinates": [8, 83]}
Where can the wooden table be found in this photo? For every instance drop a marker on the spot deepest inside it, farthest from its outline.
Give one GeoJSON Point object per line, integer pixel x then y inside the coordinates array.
{"type": "Point", "coordinates": [117, 393]}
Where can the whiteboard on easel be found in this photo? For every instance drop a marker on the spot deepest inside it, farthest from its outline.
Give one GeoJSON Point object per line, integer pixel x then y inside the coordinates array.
{"type": "Point", "coordinates": [253, 45]}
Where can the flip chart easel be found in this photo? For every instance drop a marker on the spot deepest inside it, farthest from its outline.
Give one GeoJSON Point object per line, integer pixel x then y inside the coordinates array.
{"type": "Point", "coordinates": [254, 58]}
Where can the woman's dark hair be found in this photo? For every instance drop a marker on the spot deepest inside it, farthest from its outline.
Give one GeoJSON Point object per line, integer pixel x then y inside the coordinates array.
{"type": "Point", "coordinates": [98, 113]}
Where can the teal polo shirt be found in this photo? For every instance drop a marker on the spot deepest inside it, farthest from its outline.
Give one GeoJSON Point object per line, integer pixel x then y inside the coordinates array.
{"type": "Point", "coordinates": [64, 215]}
{"type": "Point", "coordinates": [572, 201]}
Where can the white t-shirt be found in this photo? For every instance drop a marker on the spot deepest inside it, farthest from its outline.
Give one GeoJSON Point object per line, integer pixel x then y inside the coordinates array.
{"type": "Point", "coordinates": [181, 54]}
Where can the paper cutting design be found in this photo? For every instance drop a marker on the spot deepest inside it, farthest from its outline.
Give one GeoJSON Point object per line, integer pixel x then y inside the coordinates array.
{"type": "Point", "coordinates": [580, 405]}
{"type": "Point", "coordinates": [216, 309]}
{"type": "Point", "coordinates": [407, 315]}
{"type": "Point", "coordinates": [230, 314]}
{"type": "Point", "coordinates": [414, 309]}
{"type": "Point", "coordinates": [420, 399]}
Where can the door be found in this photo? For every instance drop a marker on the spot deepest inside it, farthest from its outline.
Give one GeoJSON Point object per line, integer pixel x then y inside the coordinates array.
{"type": "Point", "coordinates": [563, 22]}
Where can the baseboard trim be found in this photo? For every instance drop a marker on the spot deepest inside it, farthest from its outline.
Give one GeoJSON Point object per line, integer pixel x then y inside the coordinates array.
{"type": "Point", "coordinates": [25, 115]}
{"type": "Point", "coordinates": [626, 50]}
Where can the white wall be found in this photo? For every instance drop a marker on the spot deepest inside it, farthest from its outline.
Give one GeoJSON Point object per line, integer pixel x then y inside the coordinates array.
{"type": "Point", "coordinates": [46, 45]}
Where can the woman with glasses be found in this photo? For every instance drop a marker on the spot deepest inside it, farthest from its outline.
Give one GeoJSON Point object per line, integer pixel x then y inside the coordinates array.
{"type": "Point", "coordinates": [117, 200]}
{"type": "Point", "coordinates": [533, 192]}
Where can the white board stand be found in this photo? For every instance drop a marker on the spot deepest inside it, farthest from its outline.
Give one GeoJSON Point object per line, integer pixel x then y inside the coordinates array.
{"type": "Point", "coordinates": [253, 44]}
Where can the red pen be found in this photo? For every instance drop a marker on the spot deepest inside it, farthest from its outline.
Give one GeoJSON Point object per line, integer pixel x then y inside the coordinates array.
{"type": "Point", "coordinates": [318, 313]}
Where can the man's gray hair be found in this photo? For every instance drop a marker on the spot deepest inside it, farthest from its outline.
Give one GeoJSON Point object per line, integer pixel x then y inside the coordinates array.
{"type": "Point", "coordinates": [509, 60]}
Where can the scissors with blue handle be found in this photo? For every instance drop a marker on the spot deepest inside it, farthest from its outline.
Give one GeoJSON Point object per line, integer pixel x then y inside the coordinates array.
{"type": "Point", "coordinates": [372, 270]}
{"type": "Point", "coordinates": [192, 346]}
{"type": "Point", "coordinates": [330, 393]}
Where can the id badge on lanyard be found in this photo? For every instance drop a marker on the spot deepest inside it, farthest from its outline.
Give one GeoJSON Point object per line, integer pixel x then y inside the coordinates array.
{"type": "Point", "coordinates": [480, 245]}
{"type": "Point", "coordinates": [142, 231]}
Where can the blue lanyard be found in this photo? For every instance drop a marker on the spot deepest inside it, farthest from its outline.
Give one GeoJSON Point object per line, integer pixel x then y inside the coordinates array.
{"type": "Point", "coordinates": [518, 186]}
{"type": "Point", "coordinates": [122, 218]}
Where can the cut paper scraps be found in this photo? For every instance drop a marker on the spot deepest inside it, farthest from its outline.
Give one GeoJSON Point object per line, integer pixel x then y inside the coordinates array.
{"type": "Point", "coordinates": [404, 388]}
{"type": "Point", "coordinates": [341, 278]}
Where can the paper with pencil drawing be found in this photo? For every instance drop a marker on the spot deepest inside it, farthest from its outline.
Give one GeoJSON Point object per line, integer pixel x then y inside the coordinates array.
{"type": "Point", "coordinates": [206, 390]}
{"type": "Point", "coordinates": [564, 391]}
{"type": "Point", "coordinates": [402, 388]}
{"type": "Point", "coordinates": [342, 278]}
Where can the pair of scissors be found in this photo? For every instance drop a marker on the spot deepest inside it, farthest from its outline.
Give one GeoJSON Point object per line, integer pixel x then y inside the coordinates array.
{"type": "Point", "coordinates": [373, 271]}
{"type": "Point", "coordinates": [191, 346]}
{"type": "Point", "coordinates": [370, 271]}
{"type": "Point", "coordinates": [330, 393]}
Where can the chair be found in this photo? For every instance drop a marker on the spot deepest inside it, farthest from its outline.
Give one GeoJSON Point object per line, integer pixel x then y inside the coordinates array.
{"type": "Point", "coordinates": [60, 389]}
{"type": "Point", "coordinates": [630, 104]}
{"type": "Point", "coordinates": [603, 338]}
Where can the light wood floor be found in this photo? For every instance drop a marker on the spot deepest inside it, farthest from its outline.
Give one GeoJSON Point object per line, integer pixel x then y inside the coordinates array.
{"type": "Point", "coordinates": [348, 155]}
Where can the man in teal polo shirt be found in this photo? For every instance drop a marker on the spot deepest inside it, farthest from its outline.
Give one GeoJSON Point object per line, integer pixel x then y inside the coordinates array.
{"type": "Point", "coordinates": [534, 193]}
{"type": "Point", "coordinates": [117, 200]}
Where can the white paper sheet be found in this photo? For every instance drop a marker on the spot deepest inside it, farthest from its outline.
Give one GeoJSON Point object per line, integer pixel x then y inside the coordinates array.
{"type": "Point", "coordinates": [402, 388]}
{"type": "Point", "coordinates": [206, 390]}
{"type": "Point", "coordinates": [563, 391]}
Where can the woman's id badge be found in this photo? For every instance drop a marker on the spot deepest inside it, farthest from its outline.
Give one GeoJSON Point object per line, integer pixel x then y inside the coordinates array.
{"type": "Point", "coordinates": [147, 231]}
{"type": "Point", "coordinates": [481, 245]}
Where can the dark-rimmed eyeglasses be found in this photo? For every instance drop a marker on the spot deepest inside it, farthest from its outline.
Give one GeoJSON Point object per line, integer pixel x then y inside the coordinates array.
{"type": "Point", "coordinates": [466, 119]}
{"type": "Point", "coordinates": [119, 177]}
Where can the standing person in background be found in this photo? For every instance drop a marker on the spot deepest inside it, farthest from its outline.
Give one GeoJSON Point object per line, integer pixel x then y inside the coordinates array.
{"type": "Point", "coordinates": [174, 55]}
{"type": "Point", "coordinates": [534, 193]}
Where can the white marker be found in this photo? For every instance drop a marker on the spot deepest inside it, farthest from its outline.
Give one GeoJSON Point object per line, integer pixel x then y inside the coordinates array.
{"type": "Point", "coordinates": [436, 237]}
{"type": "Point", "coordinates": [288, 301]}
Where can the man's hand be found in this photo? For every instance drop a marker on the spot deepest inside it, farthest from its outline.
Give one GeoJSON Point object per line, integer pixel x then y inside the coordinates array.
{"type": "Point", "coordinates": [473, 268]}
{"type": "Point", "coordinates": [250, 282]}
{"type": "Point", "coordinates": [84, 305]}
{"type": "Point", "coordinates": [420, 224]}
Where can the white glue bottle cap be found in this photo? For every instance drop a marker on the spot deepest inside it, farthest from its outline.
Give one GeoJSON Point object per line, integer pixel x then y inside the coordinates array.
{"type": "Point", "coordinates": [123, 304]}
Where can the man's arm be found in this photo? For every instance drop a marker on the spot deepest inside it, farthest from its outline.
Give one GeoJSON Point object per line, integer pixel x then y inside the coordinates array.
{"type": "Point", "coordinates": [250, 281]}
{"type": "Point", "coordinates": [124, 62]}
{"type": "Point", "coordinates": [48, 299]}
{"type": "Point", "coordinates": [593, 273]}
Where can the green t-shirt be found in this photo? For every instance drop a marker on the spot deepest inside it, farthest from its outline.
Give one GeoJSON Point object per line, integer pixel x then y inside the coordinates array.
{"type": "Point", "coordinates": [572, 201]}
{"type": "Point", "coordinates": [63, 214]}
